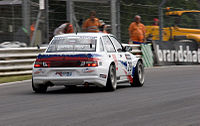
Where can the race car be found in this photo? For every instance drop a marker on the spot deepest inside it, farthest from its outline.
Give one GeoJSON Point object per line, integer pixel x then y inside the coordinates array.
{"type": "Point", "coordinates": [86, 59]}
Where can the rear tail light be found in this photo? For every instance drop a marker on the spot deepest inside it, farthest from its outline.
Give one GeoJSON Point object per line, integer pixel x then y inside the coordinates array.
{"type": "Point", "coordinates": [39, 63]}
{"type": "Point", "coordinates": [89, 64]}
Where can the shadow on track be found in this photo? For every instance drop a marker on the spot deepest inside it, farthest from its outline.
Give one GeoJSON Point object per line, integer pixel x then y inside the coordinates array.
{"type": "Point", "coordinates": [81, 89]}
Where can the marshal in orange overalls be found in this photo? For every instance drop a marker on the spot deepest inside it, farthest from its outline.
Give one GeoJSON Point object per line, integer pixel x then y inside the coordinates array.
{"type": "Point", "coordinates": [137, 32]}
{"type": "Point", "coordinates": [91, 25]}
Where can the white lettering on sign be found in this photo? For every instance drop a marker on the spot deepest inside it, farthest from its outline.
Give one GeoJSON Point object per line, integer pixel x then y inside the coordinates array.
{"type": "Point", "coordinates": [179, 55]}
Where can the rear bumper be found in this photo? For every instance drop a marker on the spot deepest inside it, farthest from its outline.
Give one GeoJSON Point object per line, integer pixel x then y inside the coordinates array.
{"type": "Point", "coordinates": [79, 76]}
{"type": "Point", "coordinates": [59, 81]}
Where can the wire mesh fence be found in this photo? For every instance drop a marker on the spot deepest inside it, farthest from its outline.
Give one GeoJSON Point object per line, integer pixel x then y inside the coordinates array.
{"type": "Point", "coordinates": [128, 12]}
{"type": "Point", "coordinates": [57, 15]}
{"type": "Point", "coordinates": [18, 20]}
{"type": "Point", "coordinates": [10, 20]}
{"type": "Point", "coordinates": [82, 9]}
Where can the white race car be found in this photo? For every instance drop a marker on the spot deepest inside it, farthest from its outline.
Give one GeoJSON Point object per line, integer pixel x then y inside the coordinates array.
{"type": "Point", "coordinates": [86, 59]}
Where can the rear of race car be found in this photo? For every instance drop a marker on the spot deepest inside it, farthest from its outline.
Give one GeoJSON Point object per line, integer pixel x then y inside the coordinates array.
{"type": "Point", "coordinates": [70, 59]}
{"type": "Point", "coordinates": [69, 69]}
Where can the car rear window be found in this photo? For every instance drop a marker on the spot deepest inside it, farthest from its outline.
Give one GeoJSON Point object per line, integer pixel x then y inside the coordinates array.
{"type": "Point", "coordinates": [73, 44]}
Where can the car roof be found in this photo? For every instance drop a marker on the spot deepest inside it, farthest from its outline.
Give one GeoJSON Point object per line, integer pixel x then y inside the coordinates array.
{"type": "Point", "coordinates": [84, 34]}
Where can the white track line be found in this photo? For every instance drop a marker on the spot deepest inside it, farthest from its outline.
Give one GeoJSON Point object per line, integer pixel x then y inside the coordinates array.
{"type": "Point", "coordinates": [16, 82]}
{"type": "Point", "coordinates": [173, 66]}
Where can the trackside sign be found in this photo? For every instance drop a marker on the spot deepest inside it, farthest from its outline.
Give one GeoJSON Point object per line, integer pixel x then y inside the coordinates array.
{"type": "Point", "coordinates": [173, 52]}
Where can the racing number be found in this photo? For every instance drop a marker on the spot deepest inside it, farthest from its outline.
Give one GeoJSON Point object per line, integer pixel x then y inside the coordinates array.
{"type": "Point", "coordinates": [129, 63]}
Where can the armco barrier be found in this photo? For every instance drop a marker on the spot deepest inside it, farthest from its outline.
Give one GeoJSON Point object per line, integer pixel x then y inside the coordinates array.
{"type": "Point", "coordinates": [143, 51]}
{"type": "Point", "coordinates": [19, 61]}
{"type": "Point", "coordinates": [136, 49]}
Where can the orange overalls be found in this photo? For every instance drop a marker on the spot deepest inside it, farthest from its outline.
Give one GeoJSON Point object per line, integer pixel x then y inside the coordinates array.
{"type": "Point", "coordinates": [32, 29]}
{"type": "Point", "coordinates": [68, 28]}
{"type": "Point", "coordinates": [91, 26]}
{"type": "Point", "coordinates": [137, 32]}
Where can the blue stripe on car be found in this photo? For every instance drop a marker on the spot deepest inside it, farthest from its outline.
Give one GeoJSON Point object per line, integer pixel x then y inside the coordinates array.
{"type": "Point", "coordinates": [123, 63]}
{"type": "Point", "coordinates": [40, 56]}
{"type": "Point", "coordinates": [133, 71]}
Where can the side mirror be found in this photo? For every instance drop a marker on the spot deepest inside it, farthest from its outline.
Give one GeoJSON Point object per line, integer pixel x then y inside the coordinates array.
{"type": "Point", "coordinates": [128, 48]}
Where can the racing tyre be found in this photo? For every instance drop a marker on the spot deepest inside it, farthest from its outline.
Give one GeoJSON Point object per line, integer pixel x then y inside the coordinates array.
{"type": "Point", "coordinates": [39, 88]}
{"type": "Point", "coordinates": [111, 84]}
{"type": "Point", "coordinates": [138, 79]}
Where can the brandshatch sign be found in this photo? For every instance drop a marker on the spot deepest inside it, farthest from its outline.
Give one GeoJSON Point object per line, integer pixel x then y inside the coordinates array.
{"type": "Point", "coordinates": [174, 52]}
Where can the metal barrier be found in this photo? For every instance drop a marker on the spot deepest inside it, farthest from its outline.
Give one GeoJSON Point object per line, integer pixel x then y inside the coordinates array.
{"type": "Point", "coordinates": [143, 51]}
{"type": "Point", "coordinates": [136, 49]}
{"type": "Point", "coordinates": [19, 61]}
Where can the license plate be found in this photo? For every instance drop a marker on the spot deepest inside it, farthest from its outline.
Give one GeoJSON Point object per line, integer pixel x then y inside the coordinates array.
{"type": "Point", "coordinates": [63, 74]}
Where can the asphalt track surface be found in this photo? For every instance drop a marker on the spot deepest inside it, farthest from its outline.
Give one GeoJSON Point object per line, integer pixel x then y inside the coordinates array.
{"type": "Point", "coordinates": [170, 97]}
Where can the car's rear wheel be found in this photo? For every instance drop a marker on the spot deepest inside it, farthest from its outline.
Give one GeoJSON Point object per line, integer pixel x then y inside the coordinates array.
{"type": "Point", "coordinates": [111, 84]}
{"type": "Point", "coordinates": [40, 88]}
{"type": "Point", "coordinates": [138, 79]}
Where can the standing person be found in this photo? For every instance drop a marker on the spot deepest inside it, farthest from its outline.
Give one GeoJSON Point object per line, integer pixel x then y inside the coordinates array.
{"type": "Point", "coordinates": [64, 29]}
{"type": "Point", "coordinates": [137, 31]}
{"type": "Point", "coordinates": [103, 27]}
{"type": "Point", "coordinates": [92, 24]}
{"type": "Point", "coordinates": [156, 21]}
{"type": "Point", "coordinates": [32, 29]}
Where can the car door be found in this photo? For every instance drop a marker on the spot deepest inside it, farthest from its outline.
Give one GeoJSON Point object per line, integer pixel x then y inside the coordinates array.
{"type": "Point", "coordinates": [121, 59]}
{"type": "Point", "coordinates": [112, 53]}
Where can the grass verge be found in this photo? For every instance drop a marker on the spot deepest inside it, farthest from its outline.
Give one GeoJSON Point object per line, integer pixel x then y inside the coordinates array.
{"type": "Point", "coordinates": [14, 78]}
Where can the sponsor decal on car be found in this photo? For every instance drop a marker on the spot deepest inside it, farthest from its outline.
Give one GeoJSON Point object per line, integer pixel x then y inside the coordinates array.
{"type": "Point", "coordinates": [123, 63]}
{"type": "Point", "coordinates": [64, 73]}
{"type": "Point", "coordinates": [128, 69]}
{"type": "Point", "coordinates": [88, 70]}
{"type": "Point", "coordinates": [39, 71]}
{"type": "Point", "coordinates": [115, 60]}
{"type": "Point", "coordinates": [103, 75]}
{"type": "Point", "coordinates": [129, 77]}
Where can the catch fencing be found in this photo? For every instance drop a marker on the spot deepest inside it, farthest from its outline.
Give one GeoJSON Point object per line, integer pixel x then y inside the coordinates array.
{"type": "Point", "coordinates": [18, 18]}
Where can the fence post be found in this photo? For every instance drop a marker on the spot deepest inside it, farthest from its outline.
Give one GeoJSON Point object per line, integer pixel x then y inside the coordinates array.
{"type": "Point", "coordinates": [69, 10]}
{"type": "Point", "coordinates": [113, 17]}
{"type": "Point", "coordinates": [118, 21]}
{"type": "Point", "coordinates": [47, 20]}
{"type": "Point", "coordinates": [36, 27]}
{"type": "Point", "coordinates": [26, 15]}
{"type": "Point", "coordinates": [161, 19]}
